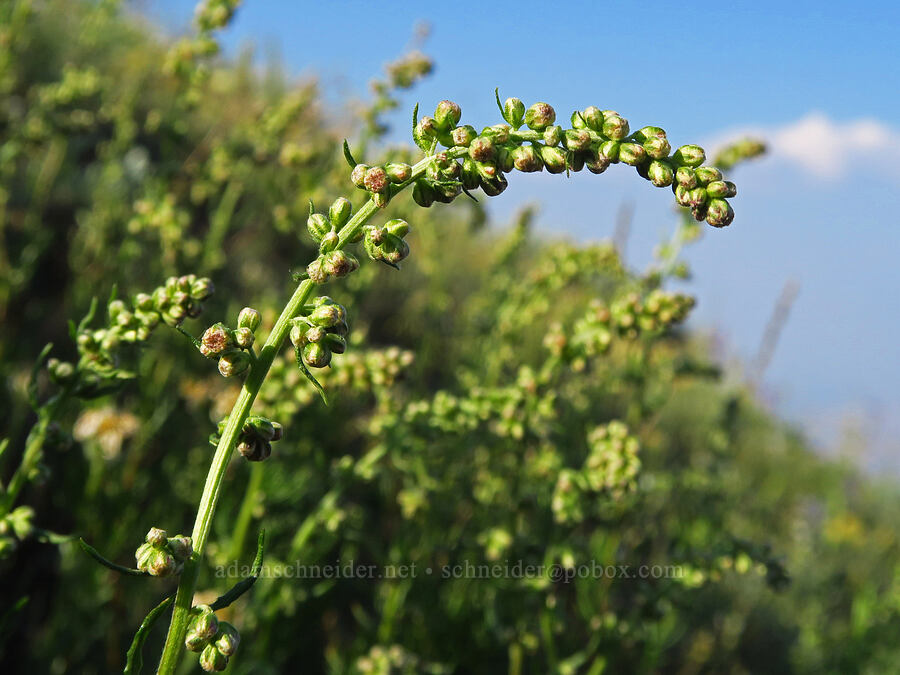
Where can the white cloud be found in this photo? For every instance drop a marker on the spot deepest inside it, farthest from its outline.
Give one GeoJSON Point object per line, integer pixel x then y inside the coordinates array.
{"type": "Point", "coordinates": [829, 149]}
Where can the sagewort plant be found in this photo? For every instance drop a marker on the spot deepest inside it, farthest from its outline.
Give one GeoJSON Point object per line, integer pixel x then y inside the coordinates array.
{"type": "Point", "coordinates": [458, 160]}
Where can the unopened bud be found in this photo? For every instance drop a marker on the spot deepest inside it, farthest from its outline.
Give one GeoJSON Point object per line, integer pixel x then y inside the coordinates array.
{"type": "Point", "coordinates": [689, 155]}
{"type": "Point", "coordinates": [212, 660]}
{"type": "Point", "coordinates": [316, 355]}
{"type": "Point", "coordinates": [657, 147]}
{"type": "Point", "coordinates": [660, 173]}
{"type": "Point", "coordinates": [719, 213]}
{"type": "Point", "coordinates": [718, 189]}
{"type": "Point", "coordinates": [463, 136]}
{"type": "Point", "coordinates": [540, 116]}
{"type": "Point", "coordinates": [243, 337]}
{"type": "Point", "coordinates": [318, 226]}
{"type": "Point", "coordinates": [554, 159]}
{"type": "Point", "coordinates": [233, 363]}
{"type": "Point", "coordinates": [447, 115]}
{"type": "Point", "coordinates": [358, 175]}
{"type": "Point", "coordinates": [482, 149]}
{"type": "Point", "coordinates": [595, 161]}
{"type": "Point", "coordinates": [707, 174]}
{"type": "Point", "coordinates": [526, 159]}
{"type": "Point", "coordinates": [494, 186]}
{"type": "Point", "coordinates": [610, 150]}
{"type": "Point", "coordinates": [339, 212]}
{"type": "Point", "coordinates": [398, 172]}
{"type": "Point", "coordinates": [181, 547]}
{"type": "Point", "coordinates": [227, 639]}
{"type": "Point", "coordinates": [249, 318]}
{"type": "Point", "coordinates": [632, 154]}
{"type": "Point", "coordinates": [578, 139]}
{"type": "Point", "coordinates": [615, 126]}
{"type": "Point", "coordinates": [593, 117]}
{"type": "Point", "coordinates": [423, 193]}
{"type": "Point", "coordinates": [553, 135]}
{"type": "Point", "coordinates": [514, 112]}
{"type": "Point", "coordinates": [685, 177]}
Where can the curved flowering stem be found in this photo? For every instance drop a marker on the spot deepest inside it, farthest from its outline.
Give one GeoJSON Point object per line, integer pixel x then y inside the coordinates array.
{"type": "Point", "coordinates": [470, 160]}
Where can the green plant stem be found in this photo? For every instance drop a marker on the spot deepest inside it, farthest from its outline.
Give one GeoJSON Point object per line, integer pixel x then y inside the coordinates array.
{"type": "Point", "coordinates": [174, 646]}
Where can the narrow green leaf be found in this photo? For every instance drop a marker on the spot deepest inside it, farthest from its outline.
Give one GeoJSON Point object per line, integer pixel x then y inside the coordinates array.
{"type": "Point", "coordinates": [244, 585]}
{"type": "Point", "coordinates": [349, 155]}
{"type": "Point", "coordinates": [190, 337]}
{"type": "Point", "coordinates": [134, 660]}
{"type": "Point", "coordinates": [91, 551]}
{"type": "Point", "coordinates": [309, 375]}
{"type": "Point", "coordinates": [35, 369]}
{"type": "Point", "coordinates": [500, 105]}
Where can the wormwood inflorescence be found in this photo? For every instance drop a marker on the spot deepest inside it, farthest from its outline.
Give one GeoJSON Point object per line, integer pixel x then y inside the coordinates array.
{"type": "Point", "coordinates": [457, 160]}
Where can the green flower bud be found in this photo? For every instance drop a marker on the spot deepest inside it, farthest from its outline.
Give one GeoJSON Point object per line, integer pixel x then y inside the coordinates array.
{"type": "Point", "coordinates": [318, 225]}
{"type": "Point", "coordinates": [527, 159]}
{"type": "Point", "coordinates": [689, 155]}
{"type": "Point", "coordinates": [504, 158]}
{"type": "Point", "coordinates": [316, 355]}
{"type": "Point", "coordinates": [685, 177]}
{"type": "Point", "coordinates": [488, 170]}
{"type": "Point", "coordinates": [718, 189]}
{"type": "Point", "coordinates": [593, 117]}
{"type": "Point", "coordinates": [211, 659]}
{"type": "Point", "coordinates": [719, 213]}
{"type": "Point", "coordinates": [682, 195]}
{"type": "Point", "coordinates": [339, 212]}
{"type": "Point", "coordinates": [376, 180]}
{"type": "Point", "coordinates": [610, 150]}
{"type": "Point", "coordinates": [657, 147]}
{"type": "Point", "coordinates": [577, 121]}
{"type": "Point", "coordinates": [646, 133]}
{"type": "Point", "coordinates": [499, 133]}
{"type": "Point", "coordinates": [577, 159]}
{"type": "Point", "coordinates": [203, 623]}
{"type": "Point", "coordinates": [156, 537]}
{"type": "Point", "coordinates": [660, 173]}
{"type": "Point", "coordinates": [255, 449]}
{"type": "Point", "coordinates": [578, 139]}
{"type": "Point", "coordinates": [216, 340]}
{"type": "Point", "coordinates": [243, 337]}
{"type": "Point", "coordinates": [514, 112]}
{"type": "Point", "coordinates": [144, 302]}
{"type": "Point", "coordinates": [202, 289]}
{"type": "Point", "coordinates": [632, 154]}
{"type": "Point", "coordinates": [339, 264]}
{"type": "Point", "coordinates": [181, 547]}
{"type": "Point", "coordinates": [553, 135]}
{"type": "Point", "coordinates": [227, 639]}
{"type": "Point", "coordinates": [233, 363]}
{"type": "Point", "coordinates": [328, 316]}
{"type": "Point", "coordinates": [61, 372]}
{"type": "Point", "coordinates": [494, 186]}
{"type": "Point", "coordinates": [699, 212]}
{"type": "Point", "coordinates": [358, 175]}
{"type": "Point", "coordinates": [615, 126]}
{"type": "Point", "coordinates": [398, 172]}
{"type": "Point", "coordinates": [446, 192]}
{"type": "Point", "coordinates": [463, 136]}
{"type": "Point", "coordinates": [114, 309]}
{"type": "Point", "coordinates": [482, 149]}
{"type": "Point", "coordinates": [554, 159]}
{"type": "Point", "coordinates": [249, 318]}
{"type": "Point", "coordinates": [427, 128]}
{"type": "Point", "coordinates": [329, 242]}
{"type": "Point", "coordinates": [336, 343]}
{"type": "Point", "coordinates": [397, 227]}
{"type": "Point", "coordinates": [447, 115]}
{"type": "Point", "coordinates": [707, 174]}
{"type": "Point", "coordinates": [540, 116]}
{"type": "Point", "coordinates": [156, 561]}
{"type": "Point", "coordinates": [697, 197]}
{"type": "Point", "coordinates": [423, 193]}
{"type": "Point", "coordinates": [595, 161]}
{"type": "Point", "coordinates": [732, 188]}
{"type": "Point", "coordinates": [469, 175]}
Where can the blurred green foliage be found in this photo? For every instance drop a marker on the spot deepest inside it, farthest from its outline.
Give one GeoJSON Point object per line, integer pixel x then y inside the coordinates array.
{"type": "Point", "coordinates": [504, 400]}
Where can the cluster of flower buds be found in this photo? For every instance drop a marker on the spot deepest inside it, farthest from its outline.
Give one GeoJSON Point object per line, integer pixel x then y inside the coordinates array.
{"type": "Point", "coordinates": [630, 316]}
{"type": "Point", "coordinates": [181, 297]}
{"type": "Point", "coordinates": [15, 526]}
{"type": "Point", "coordinates": [324, 228]}
{"type": "Point", "coordinates": [231, 346]}
{"type": "Point", "coordinates": [216, 640]}
{"type": "Point", "coordinates": [212, 15]}
{"type": "Point", "coordinates": [320, 331]}
{"type": "Point", "coordinates": [704, 191]}
{"type": "Point", "coordinates": [596, 139]}
{"type": "Point", "coordinates": [381, 182]}
{"type": "Point", "coordinates": [161, 555]}
{"type": "Point", "coordinates": [613, 464]}
{"type": "Point", "coordinates": [256, 437]}
{"type": "Point", "coordinates": [386, 243]}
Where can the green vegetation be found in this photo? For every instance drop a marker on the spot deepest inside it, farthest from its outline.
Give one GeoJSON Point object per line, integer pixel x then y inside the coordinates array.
{"type": "Point", "coordinates": [526, 465]}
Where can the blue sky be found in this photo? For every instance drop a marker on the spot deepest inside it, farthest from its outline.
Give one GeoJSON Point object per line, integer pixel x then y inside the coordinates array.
{"type": "Point", "coordinates": [820, 81]}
